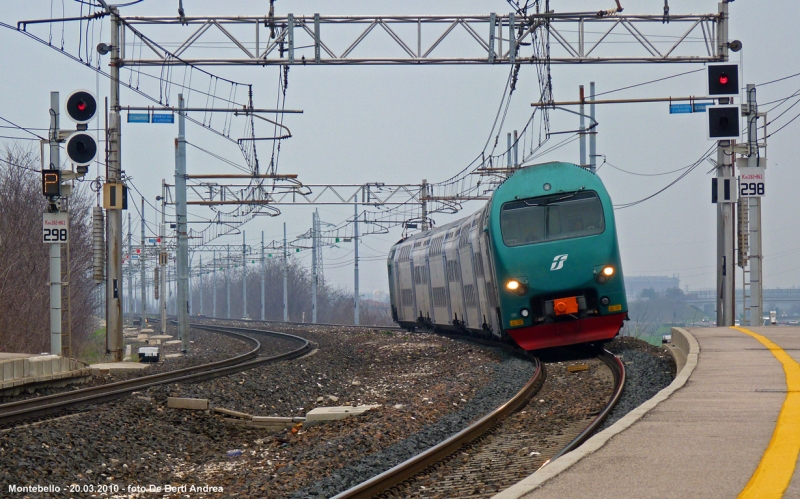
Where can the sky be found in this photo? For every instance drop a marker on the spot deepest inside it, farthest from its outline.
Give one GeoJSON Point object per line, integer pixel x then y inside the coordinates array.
{"type": "Point", "coordinates": [401, 124]}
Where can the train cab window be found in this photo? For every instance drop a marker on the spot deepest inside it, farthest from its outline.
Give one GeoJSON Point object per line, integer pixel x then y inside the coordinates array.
{"type": "Point", "coordinates": [552, 217]}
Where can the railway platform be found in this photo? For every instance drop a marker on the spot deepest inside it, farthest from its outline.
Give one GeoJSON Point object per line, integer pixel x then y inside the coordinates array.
{"type": "Point", "coordinates": [24, 371]}
{"type": "Point", "coordinates": [728, 426]}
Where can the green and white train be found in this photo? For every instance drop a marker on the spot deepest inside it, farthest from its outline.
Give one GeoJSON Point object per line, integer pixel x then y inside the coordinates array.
{"type": "Point", "coordinates": [539, 264]}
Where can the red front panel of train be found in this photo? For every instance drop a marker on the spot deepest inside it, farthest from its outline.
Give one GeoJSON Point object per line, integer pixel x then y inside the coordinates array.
{"type": "Point", "coordinates": [568, 333]}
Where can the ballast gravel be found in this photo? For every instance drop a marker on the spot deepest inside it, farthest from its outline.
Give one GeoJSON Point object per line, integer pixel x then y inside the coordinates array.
{"type": "Point", "coordinates": [428, 387]}
{"type": "Point", "coordinates": [206, 347]}
{"type": "Point", "coordinates": [648, 369]}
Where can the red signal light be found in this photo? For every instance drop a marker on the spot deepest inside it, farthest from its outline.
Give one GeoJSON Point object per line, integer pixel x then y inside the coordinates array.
{"type": "Point", "coordinates": [82, 105]}
{"type": "Point", "coordinates": [138, 250]}
{"type": "Point", "coordinates": [723, 79]}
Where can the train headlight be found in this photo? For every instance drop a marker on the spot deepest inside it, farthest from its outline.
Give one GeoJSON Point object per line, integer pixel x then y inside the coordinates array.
{"type": "Point", "coordinates": [604, 275]}
{"type": "Point", "coordinates": [524, 312]}
{"type": "Point", "coordinates": [517, 287]}
{"type": "Point", "coordinates": [604, 301]}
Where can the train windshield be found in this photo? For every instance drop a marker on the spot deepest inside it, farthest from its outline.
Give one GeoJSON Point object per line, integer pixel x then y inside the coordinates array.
{"type": "Point", "coordinates": [552, 217]}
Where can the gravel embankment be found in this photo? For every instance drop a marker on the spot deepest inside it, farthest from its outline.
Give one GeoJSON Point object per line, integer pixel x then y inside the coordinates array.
{"type": "Point", "coordinates": [429, 387]}
{"type": "Point", "coordinates": [206, 347]}
{"type": "Point", "coordinates": [418, 380]}
{"type": "Point", "coordinates": [648, 369]}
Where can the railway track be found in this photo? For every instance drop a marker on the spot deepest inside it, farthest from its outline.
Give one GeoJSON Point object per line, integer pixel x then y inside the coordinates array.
{"type": "Point", "coordinates": [54, 404]}
{"type": "Point", "coordinates": [266, 321]}
{"type": "Point", "coordinates": [484, 439]}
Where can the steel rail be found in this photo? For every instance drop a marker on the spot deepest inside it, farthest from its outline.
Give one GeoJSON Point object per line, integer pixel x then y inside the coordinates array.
{"type": "Point", "coordinates": [268, 321]}
{"type": "Point", "coordinates": [420, 462]}
{"type": "Point", "coordinates": [618, 369]}
{"type": "Point", "coordinates": [42, 406]}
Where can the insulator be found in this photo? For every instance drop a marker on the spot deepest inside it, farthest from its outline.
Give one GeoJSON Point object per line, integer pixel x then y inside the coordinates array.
{"type": "Point", "coordinates": [98, 245]}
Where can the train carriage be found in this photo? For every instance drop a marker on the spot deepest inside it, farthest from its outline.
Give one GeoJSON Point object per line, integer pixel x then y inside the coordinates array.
{"type": "Point", "coordinates": [539, 264]}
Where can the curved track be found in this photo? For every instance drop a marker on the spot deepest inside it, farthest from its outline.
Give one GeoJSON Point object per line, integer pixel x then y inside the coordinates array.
{"type": "Point", "coordinates": [417, 464]}
{"type": "Point", "coordinates": [52, 404]}
{"type": "Point", "coordinates": [618, 370]}
{"type": "Point", "coordinates": [439, 453]}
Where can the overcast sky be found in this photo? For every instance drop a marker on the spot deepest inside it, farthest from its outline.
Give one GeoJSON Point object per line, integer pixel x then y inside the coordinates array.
{"type": "Point", "coordinates": [403, 124]}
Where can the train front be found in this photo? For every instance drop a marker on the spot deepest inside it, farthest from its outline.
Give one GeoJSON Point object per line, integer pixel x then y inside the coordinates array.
{"type": "Point", "coordinates": [556, 257]}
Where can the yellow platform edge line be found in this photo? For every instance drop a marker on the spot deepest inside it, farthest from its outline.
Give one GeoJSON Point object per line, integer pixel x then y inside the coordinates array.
{"type": "Point", "coordinates": [775, 471]}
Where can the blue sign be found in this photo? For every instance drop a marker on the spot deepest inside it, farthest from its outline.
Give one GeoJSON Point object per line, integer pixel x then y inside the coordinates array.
{"type": "Point", "coordinates": [680, 108]}
{"type": "Point", "coordinates": [163, 118]}
{"type": "Point", "coordinates": [138, 118]}
{"type": "Point", "coordinates": [700, 107]}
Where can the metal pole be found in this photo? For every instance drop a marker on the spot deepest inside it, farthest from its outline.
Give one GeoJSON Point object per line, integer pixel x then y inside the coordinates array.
{"type": "Point", "coordinates": [285, 278]}
{"type": "Point", "coordinates": [508, 150]}
{"type": "Point", "coordinates": [726, 304]}
{"type": "Point", "coordinates": [314, 249]}
{"type": "Point", "coordinates": [582, 130]}
{"type": "Point", "coordinates": [130, 271]}
{"type": "Point", "coordinates": [142, 271]}
{"type": "Point", "coordinates": [189, 283]}
{"type": "Point", "coordinates": [356, 297]}
{"type": "Point", "coordinates": [725, 257]}
{"type": "Point", "coordinates": [180, 227]}
{"type": "Point", "coordinates": [163, 263]}
{"type": "Point", "coordinates": [200, 274]}
{"type": "Point", "coordinates": [244, 276]}
{"type": "Point", "coordinates": [516, 149]}
{"type": "Point", "coordinates": [424, 201]}
{"type": "Point", "coordinates": [754, 213]}
{"type": "Point", "coordinates": [263, 283]}
{"type": "Point", "coordinates": [593, 133]}
{"type": "Point", "coordinates": [214, 287]}
{"type": "Point", "coordinates": [114, 218]}
{"type": "Point", "coordinates": [55, 248]}
{"type": "Point", "coordinates": [228, 281]}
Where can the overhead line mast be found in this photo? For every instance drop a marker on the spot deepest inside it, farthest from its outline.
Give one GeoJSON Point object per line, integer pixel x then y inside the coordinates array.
{"type": "Point", "coordinates": [585, 37]}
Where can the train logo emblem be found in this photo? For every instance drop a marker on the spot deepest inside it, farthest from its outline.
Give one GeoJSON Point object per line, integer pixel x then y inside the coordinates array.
{"type": "Point", "coordinates": [558, 262]}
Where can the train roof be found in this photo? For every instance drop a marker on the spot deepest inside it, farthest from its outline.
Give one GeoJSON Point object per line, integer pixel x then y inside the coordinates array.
{"type": "Point", "coordinates": [569, 175]}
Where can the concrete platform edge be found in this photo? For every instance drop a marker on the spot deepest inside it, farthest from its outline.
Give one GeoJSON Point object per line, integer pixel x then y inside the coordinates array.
{"type": "Point", "coordinates": [687, 344]}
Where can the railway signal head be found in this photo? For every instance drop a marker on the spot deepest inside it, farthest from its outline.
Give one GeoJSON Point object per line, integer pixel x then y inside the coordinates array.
{"type": "Point", "coordinates": [723, 122]}
{"type": "Point", "coordinates": [81, 149]}
{"type": "Point", "coordinates": [723, 80]}
{"type": "Point", "coordinates": [81, 106]}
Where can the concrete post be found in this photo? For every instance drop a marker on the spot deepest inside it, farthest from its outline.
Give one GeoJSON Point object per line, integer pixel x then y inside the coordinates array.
{"type": "Point", "coordinates": [114, 298]}
{"type": "Point", "coordinates": [182, 231]}
{"type": "Point", "coordinates": [55, 248]}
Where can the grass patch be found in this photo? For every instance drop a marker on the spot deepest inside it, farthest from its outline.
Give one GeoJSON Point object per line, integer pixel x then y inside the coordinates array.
{"type": "Point", "coordinates": [95, 349]}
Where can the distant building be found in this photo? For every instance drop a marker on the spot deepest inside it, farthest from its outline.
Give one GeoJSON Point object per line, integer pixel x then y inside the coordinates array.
{"type": "Point", "coordinates": [635, 284]}
{"type": "Point", "coordinates": [381, 296]}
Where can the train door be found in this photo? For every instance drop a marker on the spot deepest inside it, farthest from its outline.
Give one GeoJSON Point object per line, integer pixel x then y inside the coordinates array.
{"type": "Point", "coordinates": [490, 287]}
{"type": "Point", "coordinates": [484, 306]}
{"type": "Point", "coordinates": [421, 279]}
{"type": "Point", "coordinates": [426, 247]}
{"type": "Point", "coordinates": [405, 284]}
{"type": "Point", "coordinates": [438, 282]}
{"type": "Point", "coordinates": [393, 295]}
{"type": "Point", "coordinates": [468, 279]}
{"type": "Point", "coordinates": [454, 279]}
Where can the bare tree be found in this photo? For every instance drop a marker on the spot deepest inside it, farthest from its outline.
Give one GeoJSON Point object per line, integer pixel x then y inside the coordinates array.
{"type": "Point", "coordinates": [24, 259]}
{"type": "Point", "coordinates": [333, 305]}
